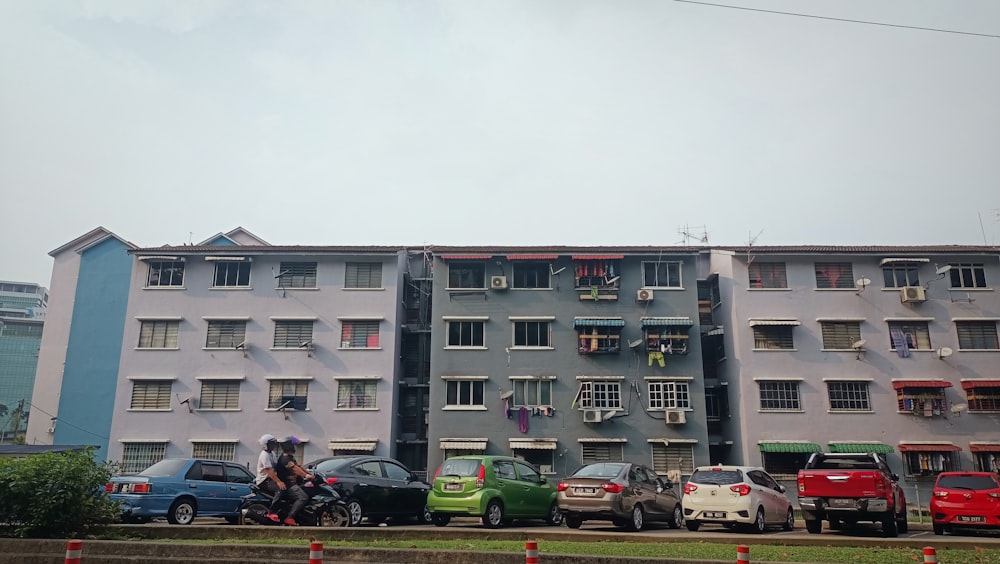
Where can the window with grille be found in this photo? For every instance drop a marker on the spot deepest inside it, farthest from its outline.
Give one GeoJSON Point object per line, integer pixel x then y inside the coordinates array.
{"type": "Point", "coordinates": [363, 275]}
{"type": "Point", "coordinates": [968, 275]}
{"type": "Point", "coordinates": [767, 275]}
{"type": "Point", "coordinates": [165, 274]}
{"type": "Point", "coordinates": [928, 464]}
{"type": "Point", "coordinates": [779, 395]}
{"type": "Point", "coordinates": [714, 403]}
{"type": "Point", "coordinates": [984, 397]}
{"type": "Point", "coordinates": [900, 274]}
{"type": "Point", "coordinates": [673, 457]}
{"type": "Point", "coordinates": [359, 335]}
{"type": "Point", "coordinates": [293, 334]}
{"type": "Point", "coordinates": [849, 396]}
{"type": "Point", "coordinates": [602, 452]}
{"type": "Point", "coordinates": [158, 334]}
{"type": "Point", "coordinates": [840, 335]}
{"type": "Point", "coordinates": [226, 334]}
{"type": "Point", "coordinates": [784, 465]}
{"type": "Point", "coordinates": [136, 457]}
{"type": "Point", "coordinates": [466, 333]}
{"type": "Point", "coordinates": [232, 274]}
{"type": "Point", "coordinates": [532, 392]}
{"type": "Point", "coordinates": [600, 394]}
{"type": "Point", "coordinates": [666, 394]}
{"type": "Point", "coordinates": [543, 459]}
{"type": "Point", "coordinates": [465, 393]}
{"type": "Point", "coordinates": [530, 275]}
{"type": "Point", "coordinates": [914, 334]}
{"type": "Point", "coordinates": [921, 400]}
{"type": "Point", "coordinates": [773, 337]}
{"type": "Point", "coordinates": [533, 334]}
{"type": "Point", "coordinates": [661, 274]}
{"type": "Point", "coordinates": [987, 461]}
{"type": "Point", "coordinates": [219, 394]}
{"type": "Point", "coordinates": [288, 394]}
{"type": "Point", "coordinates": [214, 451]}
{"type": "Point", "coordinates": [151, 394]}
{"type": "Point", "coordinates": [977, 335]}
{"type": "Point", "coordinates": [467, 276]}
{"type": "Point", "coordinates": [297, 275]}
{"type": "Point", "coordinates": [839, 275]}
{"type": "Point", "coordinates": [356, 394]}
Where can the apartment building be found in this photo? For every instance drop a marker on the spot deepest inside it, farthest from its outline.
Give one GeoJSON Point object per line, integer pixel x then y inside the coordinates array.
{"type": "Point", "coordinates": [22, 313]}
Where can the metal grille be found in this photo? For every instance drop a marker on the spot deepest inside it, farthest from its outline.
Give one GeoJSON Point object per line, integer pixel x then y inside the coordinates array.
{"type": "Point", "coordinates": [664, 394]}
{"type": "Point", "coordinates": [849, 396]}
{"type": "Point", "coordinates": [834, 275]}
{"type": "Point", "coordinates": [363, 275]}
{"type": "Point", "coordinates": [225, 334]}
{"type": "Point", "coordinates": [840, 334]}
{"type": "Point", "coordinates": [151, 394]}
{"type": "Point", "coordinates": [773, 337]}
{"type": "Point", "coordinates": [531, 333]}
{"type": "Point", "coordinates": [292, 334]}
{"type": "Point", "coordinates": [779, 396]}
{"type": "Point", "coordinates": [288, 394]}
{"type": "Point", "coordinates": [220, 394]}
{"type": "Point", "coordinates": [601, 395]}
{"type": "Point", "coordinates": [928, 464]}
{"type": "Point", "coordinates": [784, 465]}
{"type": "Point", "coordinates": [673, 457]}
{"type": "Point", "coordinates": [215, 451]}
{"type": "Point", "coordinates": [232, 274]}
{"type": "Point", "coordinates": [602, 452]}
{"type": "Point", "coordinates": [297, 275]}
{"type": "Point", "coordinates": [466, 333]}
{"type": "Point", "coordinates": [465, 392]}
{"type": "Point", "coordinates": [983, 399]}
{"type": "Point", "coordinates": [136, 457]}
{"type": "Point", "coordinates": [165, 273]}
{"type": "Point", "coordinates": [158, 334]}
{"type": "Point", "coordinates": [767, 275]}
{"type": "Point", "coordinates": [359, 335]}
{"type": "Point", "coordinates": [981, 335]}
{"type": "Point", "coordinates": [356, 394]}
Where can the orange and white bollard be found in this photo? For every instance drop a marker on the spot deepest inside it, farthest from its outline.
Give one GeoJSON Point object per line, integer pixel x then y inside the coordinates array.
{"type": "Point", "coordinates": [74, 549]}
{"type": "Point", "coordinates": [315, 553]}
{"type": "Point", "coordinates": [530, 552]}
{"type": "Point", "coordinates": [930, 555]}
{"type": "Point", "coordinates": [742, 554]}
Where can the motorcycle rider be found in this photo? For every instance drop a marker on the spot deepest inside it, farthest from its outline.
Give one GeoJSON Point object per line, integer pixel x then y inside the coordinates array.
{"type": "Point", "coordinates": [267, 477]}
{"type": "Point", "coordinates": [289, 472]}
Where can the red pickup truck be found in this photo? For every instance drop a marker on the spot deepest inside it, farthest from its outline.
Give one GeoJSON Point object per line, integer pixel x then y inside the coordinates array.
{"type": "Point", "coordinates": [847, 488]}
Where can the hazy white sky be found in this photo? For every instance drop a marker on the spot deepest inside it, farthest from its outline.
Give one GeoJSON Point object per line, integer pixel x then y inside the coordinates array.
{"type": "Point", "coordinates": [496, 122]}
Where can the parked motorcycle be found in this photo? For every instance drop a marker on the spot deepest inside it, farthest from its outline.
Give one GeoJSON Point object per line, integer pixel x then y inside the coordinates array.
{"type": "Point", "coordinates": [325, 508]}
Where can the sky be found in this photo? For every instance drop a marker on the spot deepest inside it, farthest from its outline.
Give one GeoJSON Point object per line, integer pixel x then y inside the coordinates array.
{"type": "Point", "coordinates": [514, 122]}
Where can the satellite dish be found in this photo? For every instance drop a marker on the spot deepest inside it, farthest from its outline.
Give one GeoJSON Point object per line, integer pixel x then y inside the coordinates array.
{"type": "Point", "coordinates": [858, 344]}
{"type": "Point", "coordinates": [609, 415]}
{"type": "Point", "coordinates": [863, 282]}
{"type": "Point", "coordinates": [942, 270]}
{"type": "Point", "coordinates": [944, 352]}
{"type": "Point", "coordinates": [634, 344]}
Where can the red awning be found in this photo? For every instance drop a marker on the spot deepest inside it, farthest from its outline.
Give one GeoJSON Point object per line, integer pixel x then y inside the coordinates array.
{"type": "Point", "coordinates": [597, 257]}
{"type": "Point", "coordinates": [466, 257]}
{"type": "Point", "coordinates": [984, 448]}
{"type": "Point", "coordinates": [929, 448]}
{"type": "Point", "coordinates": [900, 384]}
{"type": "Point", "coordinates": [969, 384]}
{"type": "Point", "coordinates": [532, 257]}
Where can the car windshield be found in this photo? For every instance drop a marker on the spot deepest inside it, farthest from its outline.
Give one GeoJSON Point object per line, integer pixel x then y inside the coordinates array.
{"type": "Point", "coordinates": [460, 467]}
{"type": "Point", "coordinates": [717, 477]}
{"type": "Point", "coordinates": [601, 470]}
{"type": "Point", "coordinates": [967, 483]}
{"type": "Point", "coordinates": [167, 467]}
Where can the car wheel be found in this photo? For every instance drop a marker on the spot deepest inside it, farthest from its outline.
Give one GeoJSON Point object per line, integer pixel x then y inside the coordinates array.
{"type": "Point", "coordinates": [889, 529]}
{"type": "Point", "coordinates": [493, 517]}
{"type": "Point", "coordinates": [677, 519]}
{"type": "Point", "coordinates": [573, 522]}
{"type": "Point", "coordinates": [425, 516]}
{"type": "Point", "coordinates": [814, 526]}
{"type": "Point", "coordinates": [636, 523]}
{"type": "Point", "coordinates": [692, 525]}
{"type": "Point", "coordinates": [336, 516]}
{"type": "Point", "coordinates": [789, 523]}
{"type": "Point", "coordinates": [759, 526]}
{"type": "Point", "coordinates": [357, 512]}
{"type": "Point", "coordinates": [938, 529]}
{"type": "Point", "coordinates": [440, 519]}
{"type": "Point", "coordinates": [555, 518]}
{"type": "Point", "coordinates": [182, 512]}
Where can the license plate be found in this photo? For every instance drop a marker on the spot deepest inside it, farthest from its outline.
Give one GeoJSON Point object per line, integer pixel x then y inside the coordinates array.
{"type": "Point", "coordinates": [453, 487]}
{"type": "Point", "coordinates": [971, 519]}
{"type": "Point", "coordinates": [715, 514]}
{"type": "Point", "coordinates": [588, 491]}
{"type": "Point", "coordinates": [841, 502]}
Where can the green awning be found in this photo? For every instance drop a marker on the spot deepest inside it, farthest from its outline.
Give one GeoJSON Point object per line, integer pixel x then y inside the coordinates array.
{"type": "Point", "coordinates": [666, 322]}
{"type": "Point", "coordinates": [861, 447]}
{"type": "Point", "coordinates": [789, 447]}
{"type": "Point", "coordinates": [598, 322]}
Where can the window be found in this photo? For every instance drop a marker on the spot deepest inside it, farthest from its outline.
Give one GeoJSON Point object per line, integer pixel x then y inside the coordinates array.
{"type": "Point", "coordinates": [900, 274]}
{"type": "Point", "coordinates": [977, 335]}
{"type": "Point", "coordinates": [297, 275]}
{"type": "Point", "coordinates": [359, 335]}
{"type": "Point", "coordinates": [219, 394]}
{"type": "Point", "coordinates": [983, 396]}
{"type": "Point", "coordinates": [986, 457]}
{"type": "Point", "coordinates": [601, 273]}
{"type": "Point", "coordinates": [602, 452]}
{"type": "Point", "coordinates": [363, 275]}
{"type": "Point", "coordinates": [136, 457]}
{"type": "Point", "coordinates": [356, 394]}
{"type": "Point", "coordinates": [839, 275]}
{"type": "Point", "coordinates": [467, 276]}
{"type": "Point", "coordinates": [673, 459]}
{"type": "Point", "coordinates": [906, 335]}
{"type": "Point", "coordinates": [666, 340]}
{"type": "Point", "coordinates": [840, 335]}
{"type": "Point", "coordinates": [600, 394]}
{"type": "Point", "coordinates": [158, 334]}
{"type": "Point", "coordinates": [540, 453]}
{"type": "Point", "coordinates": [466, 333]}
{"type": "Point", "coordinates": [929, 460]}
{"type": "Point", "coordinates": [232, 274]}
{"type": "Point", "coordinates": [715, 399]}
{"type": "Point", "coordinates": [151, 395]}
{"type": "Point", "coordinates": [214, 451]}
{"type": "Point", "coordinates": [666, 394]}
{"type": "Point", "coordinates": [661, 274]}
{"type": "Point", "coordinates": [532, 334]}
{"type": "Point", "coordinates": [465, 393]}
{"type": "Point", "coordinates": [779, 395]}
{"type": "Point", "coordinates": [926, 399]}
{"type": "Point", "coordinates": [526, 473]}
{"type": "Point", "coordinates": [598, 335]}
{"type": "Point", "coordinates": [767, 275]}
{"type": "Point", "coordinates": [773, 337]}
{"type": "Point", "coordinates": [293, 333]}
{"type": "Point", "coordinates": [783, 459]}
{"type": "Point", "coordinates": [968, 275]}
{"type": "Point", "coordinates": [531, 392]}
{"type": "Point", "coordinates": [164, 274]}
{"type": "Point", "coordinates": [531, 275]}
{"type": "Point", "coordinates": [225, 334]}
{"type": "Point", "coordinates": [288, 394]}
{"type": "Point", "coordinates": [849, 396]}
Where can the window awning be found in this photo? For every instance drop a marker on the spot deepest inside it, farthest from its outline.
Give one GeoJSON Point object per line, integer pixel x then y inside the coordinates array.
{"type": "Point", "coordinates": [902, 259]}
{"type": "Point", "coordinates": [717, 331]}
{"type": "Point", "coordinates": [979, 383]}
{"type": "Point", "coordinates": [984, 447]}
{"type": "Point", "coordinates": [597, 257]}
{"type": "Point", "coordinates": [229, 259]}
{"type": "Point", "coordinates": [466, 257]}
{"type": "Point", "coordinates": [666, 322]}
{"type": "Point", "coordinates": [900, 384]}
{"type": "Point", "coordinates": [851, 447]}
{"type": "Point", "coordinates": [463, 444]}
{"type": "Point", "coordinates": [366, 445]}
{"type": "Point", "coordinates": [533, 444]}
{"type": "Point", "coordinates": [532, 257]}
{"type": "Point", "coordinates": [773, 321]}
{"type": "Point", "coordinates": [598, 322]}
{"type": "Point", "coordinates": [161, 257]}
{"type": "Point", "coordinates": [788, 447]}
{"type": "Point", "coordinates": [928, 447]}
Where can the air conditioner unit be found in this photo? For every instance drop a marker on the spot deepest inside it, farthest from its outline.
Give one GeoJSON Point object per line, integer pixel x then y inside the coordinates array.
{"type": "Point", "coordinates": [675, 417]}
{"type": "Point", "coordinates": [644, 295]}
{"type": "Point", "coordinates": [498, 282]}
{"type": "Point", "coordinates": [592, 416]}
{"type": "Point", "coordinates": [912, 294]}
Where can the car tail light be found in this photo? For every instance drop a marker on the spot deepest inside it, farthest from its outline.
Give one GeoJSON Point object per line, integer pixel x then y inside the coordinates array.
{"type": "Point", "coordinates": [109, 487]}
{"type": "Point", "coordinates": [612, 487]}
{"type": "Point", "coordinates": [563, 486]}
{"type": "Point", "coordinates": [995, 495]}
{"type": "Point", "coordinates": [331, 481]}
{"type": "Point", "coordinates": [741, 489]}
{"type": "Point", "coordinates": [481, 480]}
{"type": "Point", "coordinates": [802, 485]}
{"type": "Point", "coordinates": [690, 488]}
{"type": "Point", "coordinates": [879, 485]}
{"type": "Point", "coordinates": [940, 493]}
{"type": "Point", "coordinates": [140, 488]}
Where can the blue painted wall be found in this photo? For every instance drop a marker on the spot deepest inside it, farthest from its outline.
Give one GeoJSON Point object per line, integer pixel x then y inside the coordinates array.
{"type": "Point", "coordinates": [86, 404]}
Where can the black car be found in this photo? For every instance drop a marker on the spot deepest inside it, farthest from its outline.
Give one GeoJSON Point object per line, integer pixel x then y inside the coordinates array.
{"type": "Point", "coordinates": [376, 487]}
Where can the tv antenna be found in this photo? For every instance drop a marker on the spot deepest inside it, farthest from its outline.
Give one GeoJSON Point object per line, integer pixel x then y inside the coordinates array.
{"type": "Point", "coordinates": [750, 243]}
{"type": "Point", "coordinates": [688, 234]}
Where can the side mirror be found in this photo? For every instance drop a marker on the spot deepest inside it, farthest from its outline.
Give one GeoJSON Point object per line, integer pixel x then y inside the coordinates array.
{"type": "Point", "coordinates": [781, 488]}
{"type": "Point", "coordinates": [542, 479]}
{"type": "Point", "coordinates": [894, 476]}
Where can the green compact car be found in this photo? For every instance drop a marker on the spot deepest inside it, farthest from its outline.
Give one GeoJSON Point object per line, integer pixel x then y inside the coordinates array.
{"type": "Point", "coordinates": [497, 488]}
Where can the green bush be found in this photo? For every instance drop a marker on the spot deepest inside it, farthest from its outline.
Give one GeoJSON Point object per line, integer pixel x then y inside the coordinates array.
{"type": "Point", "coordinates": [56, 495]}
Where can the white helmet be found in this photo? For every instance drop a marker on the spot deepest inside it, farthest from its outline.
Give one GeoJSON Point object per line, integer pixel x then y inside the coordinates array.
{"type": "Point", "coordinates": [266, 438]}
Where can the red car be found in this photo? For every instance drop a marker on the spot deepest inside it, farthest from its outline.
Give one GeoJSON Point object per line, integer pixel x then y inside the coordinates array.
{"type": "Point", "coordinates": [968, 500]}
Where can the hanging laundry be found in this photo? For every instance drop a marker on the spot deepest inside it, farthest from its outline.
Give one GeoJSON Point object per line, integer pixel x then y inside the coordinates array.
{"type": "Point", "coordinates": [506, 408]}
{"type": "Point", "coordinates": [900, 343]}
{"type": "Point", "coordinates": [522, 420]}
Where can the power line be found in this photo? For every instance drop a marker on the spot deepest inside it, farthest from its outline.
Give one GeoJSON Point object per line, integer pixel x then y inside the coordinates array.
{"type": "Point", "coordinates": [866, 22]}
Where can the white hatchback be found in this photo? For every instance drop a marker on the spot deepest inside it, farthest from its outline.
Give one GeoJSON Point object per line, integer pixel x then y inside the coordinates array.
{"type": "Point", "coordinates": [736, 496]}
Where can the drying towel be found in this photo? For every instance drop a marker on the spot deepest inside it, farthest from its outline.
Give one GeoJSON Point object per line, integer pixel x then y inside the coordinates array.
{"type": "Point", "coordinates": [506, 408]}
{"type": "Point", "coordinates": [522, 420]}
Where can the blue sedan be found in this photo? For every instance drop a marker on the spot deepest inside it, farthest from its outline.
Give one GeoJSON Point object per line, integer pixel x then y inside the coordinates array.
{"type": "Point", "coordinates": [181, 489]}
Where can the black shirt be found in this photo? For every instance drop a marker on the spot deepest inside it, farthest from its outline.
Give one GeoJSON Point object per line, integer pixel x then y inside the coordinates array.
{"type": "Point", "coordinates": [284, 468]}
